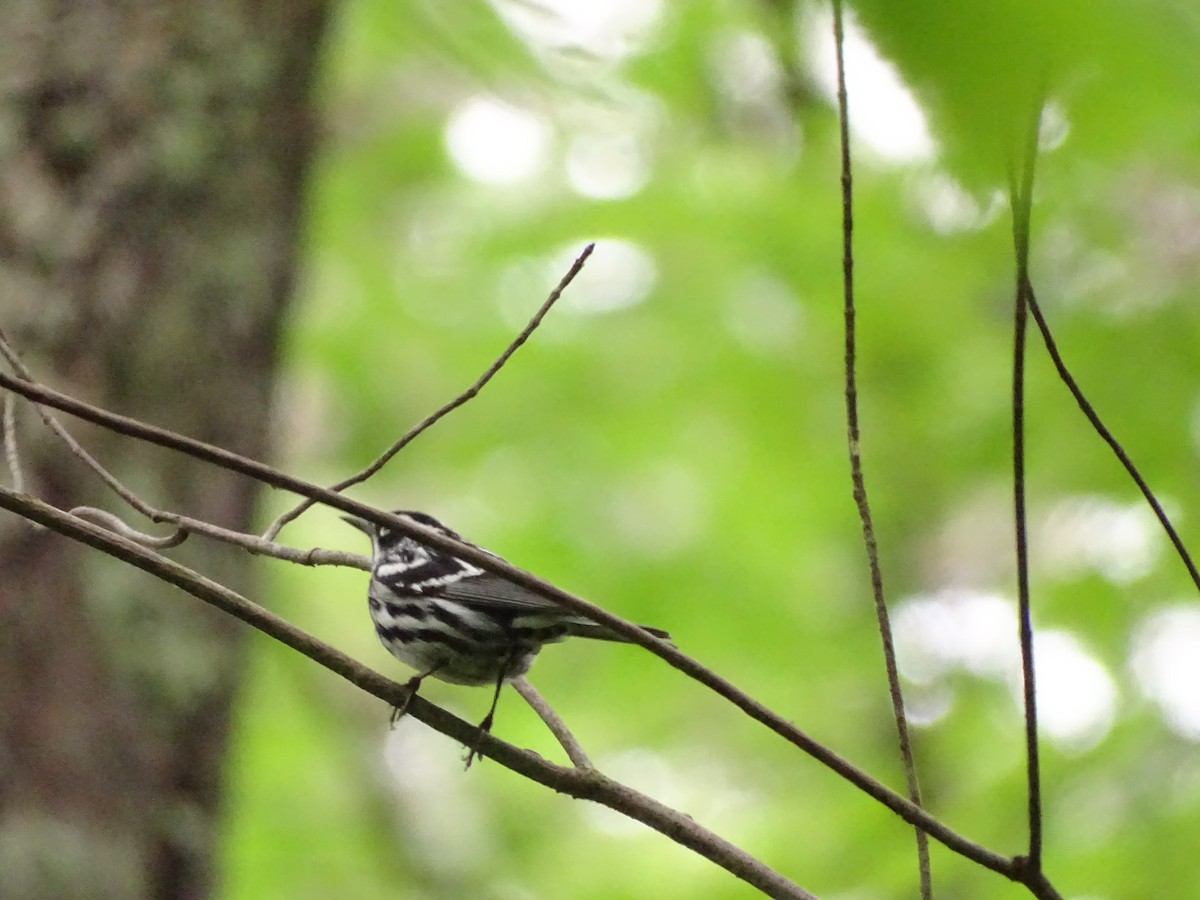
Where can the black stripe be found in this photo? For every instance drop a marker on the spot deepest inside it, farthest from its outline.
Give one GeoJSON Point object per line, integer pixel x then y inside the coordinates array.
{"type": "Point", "coordinates": [447, 616]}
{"type": "Point", "coordinates": [397, 635]}
{"type": "Point", "coordinates": [418, 611]}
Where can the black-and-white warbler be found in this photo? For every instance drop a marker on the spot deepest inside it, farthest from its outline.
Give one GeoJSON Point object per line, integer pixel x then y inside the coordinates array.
{"type": "Point", "coordinates": [452, 620]}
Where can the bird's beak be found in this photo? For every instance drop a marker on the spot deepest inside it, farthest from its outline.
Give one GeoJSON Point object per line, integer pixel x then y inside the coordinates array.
{"type": "Point", "coordinates": [361, 524]}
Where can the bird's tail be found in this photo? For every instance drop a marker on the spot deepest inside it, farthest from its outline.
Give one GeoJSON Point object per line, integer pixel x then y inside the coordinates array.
{"type": "Point", "coordinates": [588, 629]}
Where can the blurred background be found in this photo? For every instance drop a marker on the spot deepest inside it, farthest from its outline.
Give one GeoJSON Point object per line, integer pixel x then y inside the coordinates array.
{"type": "Point", "coordinates": [671, 442]}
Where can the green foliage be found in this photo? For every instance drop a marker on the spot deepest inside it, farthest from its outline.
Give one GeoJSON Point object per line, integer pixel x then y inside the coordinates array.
{"type": "Point", "coordinates": [671, 443]}
{"type": "Point", "coordinates": [1122, 71]}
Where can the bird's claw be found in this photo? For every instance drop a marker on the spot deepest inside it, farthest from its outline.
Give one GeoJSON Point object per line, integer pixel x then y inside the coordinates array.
{"type": "Point", "coordinates": [410, 691]}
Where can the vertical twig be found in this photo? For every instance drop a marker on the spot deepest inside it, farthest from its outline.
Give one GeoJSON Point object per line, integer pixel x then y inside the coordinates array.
{"type": "Point", "coordinates": [855, 450]}
{"type": "Point", "coordinates": [1022, 205]}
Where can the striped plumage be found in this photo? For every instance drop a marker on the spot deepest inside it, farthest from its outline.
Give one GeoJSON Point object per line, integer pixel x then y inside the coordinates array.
{"type": "Point", "coordinates": [447, 618]}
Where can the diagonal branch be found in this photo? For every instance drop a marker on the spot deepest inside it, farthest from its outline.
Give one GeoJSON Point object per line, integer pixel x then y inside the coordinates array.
{"type": "Point", "coordinates": [185, 525]}
{"type": "Point", "coordinates": [1109, 438]}
{"type": "Point", "coordinates": [469, 394]}
{"type": "Point", "coordinates": [586, 784]}
{"type": "Point", "coordinates": [552, 720]}
{"type": "Point", "coordinates": [901, 806]}
{"type": "Point", "coordinates": [856, 469]}
{"type": "Point", "coordinates": [118, 526]}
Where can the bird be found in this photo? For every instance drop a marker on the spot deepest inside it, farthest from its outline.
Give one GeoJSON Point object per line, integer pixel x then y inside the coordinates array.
{"type": "Point", "coordinates": [449, 619]}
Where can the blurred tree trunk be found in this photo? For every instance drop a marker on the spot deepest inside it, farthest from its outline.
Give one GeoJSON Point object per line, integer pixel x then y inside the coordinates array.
{"type": "Point", "coordinates": [152, 160]}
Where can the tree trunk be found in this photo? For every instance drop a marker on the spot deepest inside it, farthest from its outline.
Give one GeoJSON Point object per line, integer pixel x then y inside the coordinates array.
{"type": "Point", "coordinates": [152, 158]}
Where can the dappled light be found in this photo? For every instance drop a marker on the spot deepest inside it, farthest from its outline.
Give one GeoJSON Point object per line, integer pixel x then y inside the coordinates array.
{"type": "Point", "coordinates": [833, 452]}
{"type": "Point", "coordinates": [884, 114]}
{"type": "Point", "coordinates": [1165, 657]}
{"type": "Point", "coordinates": [497, 143]}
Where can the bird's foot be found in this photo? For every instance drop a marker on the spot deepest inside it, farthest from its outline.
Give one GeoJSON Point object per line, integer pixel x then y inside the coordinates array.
{"type": "Point", "coordinates": [410, 691]}
{"type": "Point", "coordinates": [485, 727]}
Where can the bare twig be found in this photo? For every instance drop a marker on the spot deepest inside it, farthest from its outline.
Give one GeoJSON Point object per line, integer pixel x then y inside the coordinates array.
{"type": "Point", "coordinates": [1109, 438]}
{"type": "Point", "coordinates": [184, 524]}
{"type": "Point", "coordinates": [901, 806]}
{"type": "Point", "coordinates": [553, 721]}
{"type": "Point", "coordinates": [113, 523]}
{"type": "Point", "coordinates": [454, 404]}
{"type": "Point", "coordinates": [856, 469]}
{"type": "Point", "coordinates": [251, 543]}
{"type": "Point", "coordinates": [587, 784]}
{"type": "Point", "coordinates": [1022, 206]}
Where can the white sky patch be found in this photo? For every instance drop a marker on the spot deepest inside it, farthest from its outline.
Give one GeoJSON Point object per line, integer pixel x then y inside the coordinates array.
{"type": "Point", "coordinates": [1166, 664]}
{"type": "Point", "coordinates": [748, 70]}
{"type": "Point", "coordinates": [497, 143]}
{"type": "Point", "coordinates": [977, 633]}
{"type": "Point", "coordinates": [964, 630]}
{"type": "Point", "coordinates": [1076, 697]}
{"type": "Point", "coordinates": [1055, 127]}
{"type": "Point", "coordinates": [948, 208]}
{"type": "Point", "coordinates": [607, 166]}
{"type": "Point", "coordinates": [1120, 541]}
{"type": "Point", "coordinates": [925, 706]}
{"type": "Point", "coordinates": [883, 112]}
{"type": "Point", "coordinates": [612, 29]}
{"type": "Point", "coordinates": [619, 273]}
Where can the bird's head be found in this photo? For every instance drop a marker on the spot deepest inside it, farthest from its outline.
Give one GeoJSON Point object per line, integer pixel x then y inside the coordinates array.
{"type": "Point", "coordinates": [385, 539]}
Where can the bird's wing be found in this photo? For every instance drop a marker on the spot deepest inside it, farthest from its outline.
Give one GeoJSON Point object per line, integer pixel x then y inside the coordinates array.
{"type": "Point", "coordinates": [486, 589]}
{"type": "Point", "coordinates": [489, 591]}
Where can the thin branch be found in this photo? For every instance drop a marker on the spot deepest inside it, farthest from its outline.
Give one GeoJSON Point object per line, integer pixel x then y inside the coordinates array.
{"type": "Point", "coordinates": [12, 453]}
{"type": "Point", "coordinates": [587, 784]}
{"type": "Point", "coordinates": [251, 543]}
{"type": "Point", "coordinates": [185, 525]}
{"type": "Point", "coordinates": [116, 525]}
{"type": "Point", "coordinates": [901, 806]}
{"type": "Point", "coordinates": [454, 404]}
{"type": "Point", "coordinates": [1022, 206]}
{"type": "Point", "coordinates": [856, 469]}
{"type": "Point", "coordinates": [1101, 429]}
{"type": "Point", "coordinates": [554, 722]}
{"type": "Point", "coordinates": [579, 783]}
